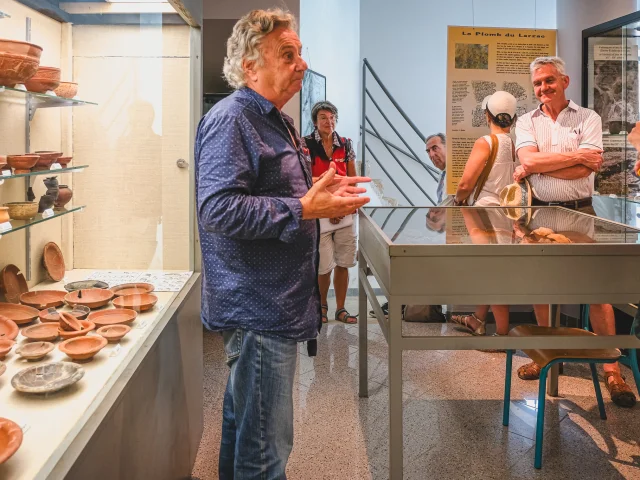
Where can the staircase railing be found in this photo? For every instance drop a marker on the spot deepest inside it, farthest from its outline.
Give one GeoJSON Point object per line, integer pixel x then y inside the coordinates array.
{"type": "Point", "coordinates": [367, 127]}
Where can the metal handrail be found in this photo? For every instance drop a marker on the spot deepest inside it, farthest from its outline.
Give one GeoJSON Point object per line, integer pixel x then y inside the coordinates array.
{"type": "Point", "coordinates": [392, 145]}
{"type": "Point", "coordinates": [387, 174]}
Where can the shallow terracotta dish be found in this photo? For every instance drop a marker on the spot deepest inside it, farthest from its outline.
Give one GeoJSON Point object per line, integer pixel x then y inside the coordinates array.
{"type": "Point", "coordinates": [139, 303]}
{"type": "Point", "coordinates": [47, 378]}
{"type": "Point", "coordinates": [83, 348]}
{"type": "Point", "coordinates": [42, 299]}
{"type": "Point", "coordinates": [4, 215]}
{"type": "Point", "coordinates": [10, 439]}
{"type": "Point", "coordinates": [19, 61]}
{"type": "Point", "coordinates": [132, 289]}
{"type": "Point", "coordinates": [67, 89]}
{"type": "Point", "coordinates": [51, 314]}
{"type": "Point", "coordinates": [53, 261]}
{"type": "Point", "coordinates": [22, 210]}
{"type": "Point", "coordinates": [44, 80]}
{"type": "Point", "coordinates": [69, 323]}
{"type": "Point", "coordinates": [85, 284]}
{"type": "Point", "coordinates": [91, 297]}
{"type": "Point", "coordinates": [114, 333]}
{"type": "Point", "coordinates": [47, 158]}
{"type": "Point", "coordinates": [44, 332]}
{"type": "Point", "coordinates": [12, 283]}
{"type": "Point", "coordinates": [87, 326]}
{"type": "Point", "coordinates": [64, 161]}
{"type": "Point", "coordinates": [113, 316]}
{"type": "Point", "coordinates": [8, 328]}
{"type": "Point", "coordinates": [20, 314]}
{"type": "Point", "coordinates": [22, 163]}
{"type": "Point", "coordinates": [34, 350]}
{"type": "Point", "coordinates": [5, 346]}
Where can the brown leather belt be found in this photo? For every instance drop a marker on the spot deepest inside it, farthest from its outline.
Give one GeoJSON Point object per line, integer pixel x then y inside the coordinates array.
{"type": "Point", "coordinates": [572, 204]}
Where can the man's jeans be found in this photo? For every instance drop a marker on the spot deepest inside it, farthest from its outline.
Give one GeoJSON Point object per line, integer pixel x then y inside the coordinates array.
{"type": "Point", "coordinates": [257, 423]}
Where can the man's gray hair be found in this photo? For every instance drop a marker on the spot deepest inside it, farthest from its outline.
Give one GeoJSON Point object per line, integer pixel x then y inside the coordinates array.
{"type": "Point", "coordinates": [442, 137]}
{"type": "Point", "coordinates": [542, 61]}
{"type": "Point", "coordinates": [244, 42]}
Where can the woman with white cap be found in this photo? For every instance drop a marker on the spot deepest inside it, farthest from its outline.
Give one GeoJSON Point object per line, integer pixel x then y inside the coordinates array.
{"type": "Point", "coordinates": [489, 169]}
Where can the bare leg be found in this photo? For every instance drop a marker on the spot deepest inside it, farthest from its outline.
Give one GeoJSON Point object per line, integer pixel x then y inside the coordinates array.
{"type": "Point", "coordinates": [324, 282]}
{"type": "Point", "coordinates": [542, 315]}
{"type": "Point", "coordinates": [603, 322]}
{"type": "Point", "coordinates": [501, 314]}
{"type": "Point", "coordinates": [341, 284]}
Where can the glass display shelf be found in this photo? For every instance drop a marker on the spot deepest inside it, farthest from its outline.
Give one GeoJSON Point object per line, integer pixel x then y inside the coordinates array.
{"type": "Point", "coordinates": [44, 100]}
{"type": "Point", "coordinates": [78, 169]}
{"type": "Point", "coordinates": [17, 225]}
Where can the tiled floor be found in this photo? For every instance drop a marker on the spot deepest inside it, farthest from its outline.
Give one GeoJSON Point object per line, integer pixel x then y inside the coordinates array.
{"type": "Point", "coordinates": [452, 417]}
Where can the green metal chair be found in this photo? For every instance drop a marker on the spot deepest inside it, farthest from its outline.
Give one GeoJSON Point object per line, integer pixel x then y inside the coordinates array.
{"type": "Point", "coordinates": [546, 359]}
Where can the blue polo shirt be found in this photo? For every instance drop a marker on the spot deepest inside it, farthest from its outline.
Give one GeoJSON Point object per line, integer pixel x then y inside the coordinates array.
{"type": "Point", "coordinates": [259, 258]}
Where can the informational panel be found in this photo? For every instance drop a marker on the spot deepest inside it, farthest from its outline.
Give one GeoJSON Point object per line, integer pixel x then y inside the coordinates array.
{"type": "Point", "coordinates": [481, 61]}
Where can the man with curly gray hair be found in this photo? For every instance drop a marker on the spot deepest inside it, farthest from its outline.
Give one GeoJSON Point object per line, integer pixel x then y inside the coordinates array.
{"type": "Point", "coordinates": [257, 207]}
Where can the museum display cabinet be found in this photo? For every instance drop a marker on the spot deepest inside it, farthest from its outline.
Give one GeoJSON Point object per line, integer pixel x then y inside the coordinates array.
{"type": "Point", "coordinates": [100, 336]}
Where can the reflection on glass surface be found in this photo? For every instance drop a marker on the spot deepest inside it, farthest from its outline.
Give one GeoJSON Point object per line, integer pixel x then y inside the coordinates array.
{"type": "Point", "coordinates": [495, 225]}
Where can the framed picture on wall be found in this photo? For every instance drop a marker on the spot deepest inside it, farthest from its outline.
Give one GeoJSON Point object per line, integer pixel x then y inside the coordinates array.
{"type": "Point", "coordinates": [314, 89]}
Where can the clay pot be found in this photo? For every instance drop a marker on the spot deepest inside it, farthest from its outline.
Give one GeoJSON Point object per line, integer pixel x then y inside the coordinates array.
{"type": "Point", "coordinates": [47, 158]}
{"type": "Point", "coordinates": [113, 317]}
{"type": "Point", "coordinates": [69, 323]}
{"type": "Point", "coordinates": [132, 289]}
{"type": "Point", "coordinates": [139, 303]}
{"type": "Point", "coordinates": [64, 161]}
{"type": "Point", "coordinates": [64, 196]}
{"type": "Point", "coordinates": [87, 326]}
{"type": "Point", "coordinates": [615, 127]}
{"type": "Point", "coordinates": [22, 210]}
{"type": "Point", "coordinates": [19, 61]}
{"type": "Point", "coordinates": [51, 315]}
{"type": "Point", "coordinates": [45, 332]}
{"type": "Point", "coordinates": [42, 299]}
{"type": "Point", "coordinates": [12, 283]}
{"type": "Point", "coordinates": [4, 215]}
{"type": "Point", "coordinates": [67, 89]}
{"type": "Point", "coordinates": [10, 439]}
{"type": "Point", "coordinates": [44, 80]}
{"type": "Point", "coordinates": [83, 348]}
{"type": "Point", "coordinates": [22, 163]}
{"type": "Point", "coordinates": [53, 262]}
{"type": "Point", "coordinates": [113, 333]}
{"type": "Point", "coordinates": [19, 314]}
{"type": "Point", "coordinates": [91, 297]}
{"type": "Point", "coordinates": [5, 346]}
{"type": "Point", "coordinates": [35, 350]}
{"type": "Point", "coordinates": [8, 328]}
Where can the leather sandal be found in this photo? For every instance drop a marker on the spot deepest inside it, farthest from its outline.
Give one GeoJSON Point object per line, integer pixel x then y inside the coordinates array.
{"type": "Point", "coordinates": [530, 371]}
{"type": "Point", "coordinates": [325, 310]}
{"type": "Point", "coordinates": [463, 321]}
{"type": "Point", "coordinates": [620, 392]}
{"type": "Point", "coordinates": [345, 317]}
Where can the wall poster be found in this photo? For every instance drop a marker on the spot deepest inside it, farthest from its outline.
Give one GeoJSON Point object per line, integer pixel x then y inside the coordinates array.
{"type": "Point", "coordinates": [314, 89]}
{"type": "Point", "coordinates": [481, 61]}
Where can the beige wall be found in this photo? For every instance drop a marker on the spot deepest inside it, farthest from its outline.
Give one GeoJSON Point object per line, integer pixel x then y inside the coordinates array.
{"type": "Point", "coordinates": [46, 134]}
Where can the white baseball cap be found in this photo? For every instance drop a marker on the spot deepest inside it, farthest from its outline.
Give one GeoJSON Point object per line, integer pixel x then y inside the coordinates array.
{"type": "Point", "coordinates": [500, 102]}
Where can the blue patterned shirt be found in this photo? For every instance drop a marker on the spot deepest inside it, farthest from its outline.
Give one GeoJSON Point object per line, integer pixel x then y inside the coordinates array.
{"type": "Point", "coordinates": [259, 258]}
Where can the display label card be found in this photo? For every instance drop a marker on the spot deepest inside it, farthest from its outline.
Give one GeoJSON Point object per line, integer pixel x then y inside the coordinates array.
{"type": "Point", "coordinates": [142, 324]}
{"type": "Point", "coordinates": [116, 351]}
{"type": "Point", "coordinates": [55, 166]}
{"type": "Point", "coordinates": [48, 213]}
{"type": "Point", "coordinates": [6, 173]}
{"type": "Point", "coordinates": [5, 227]}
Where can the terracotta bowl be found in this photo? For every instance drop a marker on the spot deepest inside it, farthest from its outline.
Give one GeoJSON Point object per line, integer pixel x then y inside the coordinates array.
{"type": "Point", "coordinates": [113, 316]}
{"type": "Point", "coordinates": [42, 299]}
{"type": "Point", "coordinates": [114, 333]}
{"type": "Point", "coordinates": [132, 289]}
{"type": "Point", "coordinates": [47, 158]}
{"type": "Point", "coordinates": [91, 297]}
{"type": "Point", "coordinates": [4, 215]}
{"type": "Point", "coordinates": [51, 314]}
{"type": "Point", "coordinates": [22, 210]}
{"type": "Point", "coordinates": [45, 79]}
{"type": "Point", "coordinates": [12, 283]}
{"type": "Point", "coordinates": [67, 89]}
{"type": "Point", "coordinates": [5, 347]}
{"type": "Point", "coordinates": [45, 332]}
{"type": "Point", "coordinates": [19, 61]}
{"type": "Point", "coordinates": [87, 326]}
{"type": "Point", "coordinates": [10, 439]}
{"type": "Point", "coordinates": [64, 161]}
{"type": "Point", "coordinates": [139, 303]}
{"type": "Point", "coordinates": [83, 348]}
{"type": "Point", "coordinates": [53, 262]}
{"type": "Point", "coordinates": [34, 350]}
{"type": "Point", "coordinates": [69, 323]}
{"type": "Point", "coordinates": [8, 328]}
{"type": "Point", "coordinates": [22, 163]}
{"type": "Point", "coordinates": [20, 314]}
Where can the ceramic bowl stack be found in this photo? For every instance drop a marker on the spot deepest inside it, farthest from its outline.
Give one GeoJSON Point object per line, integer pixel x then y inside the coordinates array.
{"type": "Point", "coordinates": [19, 61]}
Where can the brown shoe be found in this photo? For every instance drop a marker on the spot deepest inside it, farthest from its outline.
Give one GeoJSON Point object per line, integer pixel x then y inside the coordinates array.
{"type": "Point", "coordinates": [530, 371]}
{"type": "Point", "coordinates": [620, 392]}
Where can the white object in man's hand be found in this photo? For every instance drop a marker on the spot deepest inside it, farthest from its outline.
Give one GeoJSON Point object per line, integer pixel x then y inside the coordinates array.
{"type": "Point", "coordinates": [334, 196]}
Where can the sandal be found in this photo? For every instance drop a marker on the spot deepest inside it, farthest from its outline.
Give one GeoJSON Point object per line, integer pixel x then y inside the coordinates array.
{"type": "Point", "coordinates": [493, 350]}
{"type": "Point", "coordinates": [530, 371]}
{"type": "Point", "coordinates": [346, 318]}
{"type": "Point", "coordinates": [325, 310]}
{"type": "Point", "coordinates": [463, 321]}
{"type": "Point", "coordinates": [620, 392]}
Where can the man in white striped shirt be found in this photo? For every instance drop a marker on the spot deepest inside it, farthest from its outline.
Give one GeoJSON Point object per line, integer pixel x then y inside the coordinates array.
{"type": "Point", "coordinates": [559, 146]}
